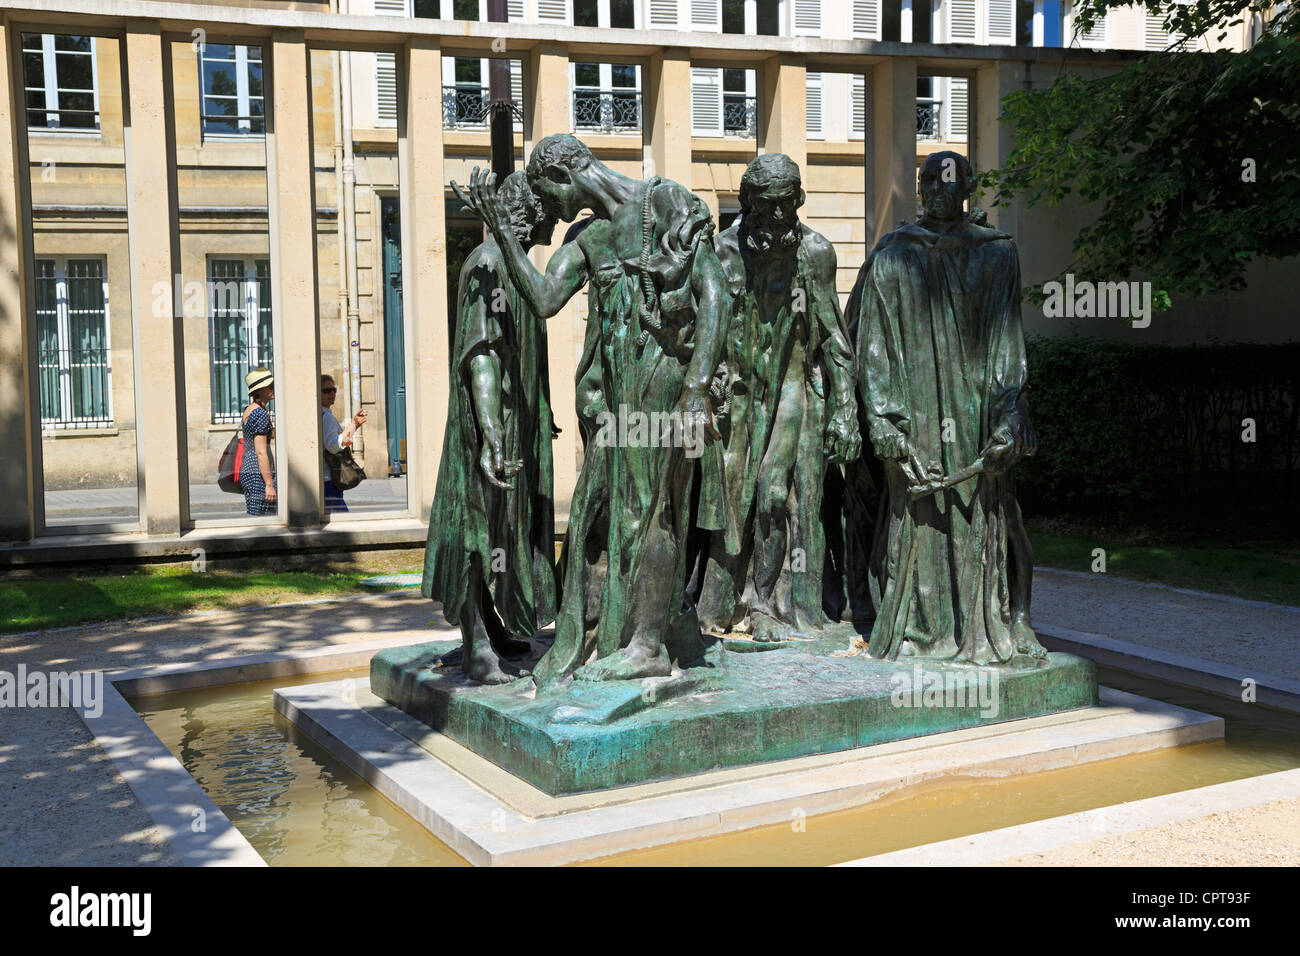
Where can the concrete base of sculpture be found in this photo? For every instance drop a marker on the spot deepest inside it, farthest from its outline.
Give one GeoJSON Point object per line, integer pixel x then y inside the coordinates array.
{"type": "Point", "coordinates": [747, 703]}
{"type": "Point", "coordinates": [491, 817]}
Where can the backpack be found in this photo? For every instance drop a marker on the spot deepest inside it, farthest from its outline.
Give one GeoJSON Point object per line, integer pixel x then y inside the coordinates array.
{"type": "Point", "coordinates": [232, 458]}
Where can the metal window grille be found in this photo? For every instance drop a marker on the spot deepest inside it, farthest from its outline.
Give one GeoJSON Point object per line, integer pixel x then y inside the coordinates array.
{"type": "Point", "coordinates": [73, 357]}
{"type": "Point", "coordinates": [239, 317]}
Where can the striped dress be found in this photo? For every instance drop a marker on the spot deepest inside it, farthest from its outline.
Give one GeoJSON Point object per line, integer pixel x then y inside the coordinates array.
{"type": "Point", "coordinates": [258, 422]}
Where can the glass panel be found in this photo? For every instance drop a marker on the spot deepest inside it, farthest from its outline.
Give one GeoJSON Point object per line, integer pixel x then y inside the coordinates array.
{"type": "Point", "coordinates": [85, 361]}
{"type": "Point", "coordinates": [586, 13]}
{"type": "Point", "coordinates": [360, 313]}
{"type": "Point", "coordinates": [622, 14]}
{"type": "Point", "coordinates": [586, 74]}
{"type": "Point", "coordinates": [464, 10]}
{"type": "Point", "coordinates": [224, 299]}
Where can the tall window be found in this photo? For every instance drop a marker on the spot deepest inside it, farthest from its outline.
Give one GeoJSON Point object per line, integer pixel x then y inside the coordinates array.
{"type": "Point", "coordinates": [73, 346]}
{"type": "Point", "coordinates": [606, 97]}
{"type": "Point", "coordinates": [239, 315]}
{"type": "Point", "coordinates": [59, 82]}
{"type": "Point", "coordinates": [233, 102]}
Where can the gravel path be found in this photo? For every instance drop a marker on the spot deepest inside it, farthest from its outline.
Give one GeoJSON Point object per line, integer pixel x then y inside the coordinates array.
{"type": "Point", "coordinates": [1247, 634]}
{"type": "Point", "coordinates": [1266, 835]}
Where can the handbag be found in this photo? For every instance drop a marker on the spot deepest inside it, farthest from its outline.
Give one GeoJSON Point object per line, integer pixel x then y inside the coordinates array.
{"type": "Point", "coordinates": [228, 465]}
{"type": "Point", "coordinates": [345, 473]}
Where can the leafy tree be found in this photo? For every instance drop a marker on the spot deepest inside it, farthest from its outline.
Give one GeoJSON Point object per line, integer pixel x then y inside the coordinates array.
{"type": "Point", "coordinates": [1189, 157]}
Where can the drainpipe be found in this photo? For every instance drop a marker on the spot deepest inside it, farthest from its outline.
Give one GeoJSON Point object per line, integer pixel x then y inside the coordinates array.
{"type": "Point", "coordinates": [350, 246]}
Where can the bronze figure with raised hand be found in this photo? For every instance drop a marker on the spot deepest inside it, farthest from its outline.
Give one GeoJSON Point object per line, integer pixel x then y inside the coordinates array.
{"type": "Point", "coordinates": [659, 296]}
{"type": "Point", "coordinates": [942, 371]}
{"type": "Point", "coordinates": [490, 558]}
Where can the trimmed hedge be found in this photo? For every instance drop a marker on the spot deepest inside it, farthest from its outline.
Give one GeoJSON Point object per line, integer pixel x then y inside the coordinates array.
{"type": "Point", "coordinates": [1155, 433]}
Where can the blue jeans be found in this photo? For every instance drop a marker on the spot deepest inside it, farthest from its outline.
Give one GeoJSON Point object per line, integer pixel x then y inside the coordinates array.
{"type": "Point", "coordinates": [334, 498]}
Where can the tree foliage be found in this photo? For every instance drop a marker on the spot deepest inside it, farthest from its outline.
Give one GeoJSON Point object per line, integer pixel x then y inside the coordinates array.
{"type": "Point", "coordinates": [1190, 158]}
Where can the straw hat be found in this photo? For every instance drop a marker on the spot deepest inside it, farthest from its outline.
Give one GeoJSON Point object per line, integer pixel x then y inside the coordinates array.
{"type": "Point", "coordinates": [258, 378]}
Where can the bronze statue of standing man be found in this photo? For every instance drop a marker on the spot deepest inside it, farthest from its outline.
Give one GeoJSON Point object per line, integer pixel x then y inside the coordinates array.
{"type": "Point", "coordinates": [793, 413]}
{"type": "Point", "coordinates": [941, 356]}
{"type": "Point", "coordinates": [490, 557]}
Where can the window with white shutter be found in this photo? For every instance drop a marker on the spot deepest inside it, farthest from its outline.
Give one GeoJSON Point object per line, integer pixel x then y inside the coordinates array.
{"type": "Point", "coordinates": [1000, 23]}
{"type": "Point", "coordinates": [858, 104]}
{"type": "Point", "coordinates": [957, 110]}
{"type": "Point", "coordinates": [515, 11]}
{"type": "Point", "coordinates": [1155, 36]}
{"type": "Point", "coordinates": [960, 16]}
{"type": "Point", "coordinates": [553, 11]}
{"type": "Point", "coordinates": [664, 14]}
{"type": "Point", "coordinates": [706, 102]}
{"type": "Point", "coordinates": [813, 105]}
{"type": "Point", "coordinates": [866, 19]}
{"type": "Point", "coordinates": [706, 16]}
{"type": "Point", "coordinates": [806, 18]}
{"type": "Point", "coordinates": [386, 68]}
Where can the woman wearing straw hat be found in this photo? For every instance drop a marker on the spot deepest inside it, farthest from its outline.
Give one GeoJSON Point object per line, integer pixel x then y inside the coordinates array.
{"type": "Point", "coordinates": [257, 473]}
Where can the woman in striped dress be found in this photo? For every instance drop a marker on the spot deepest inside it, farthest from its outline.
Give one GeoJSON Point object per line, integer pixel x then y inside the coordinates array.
{"type": "Point", "coordinates": [257, 471]}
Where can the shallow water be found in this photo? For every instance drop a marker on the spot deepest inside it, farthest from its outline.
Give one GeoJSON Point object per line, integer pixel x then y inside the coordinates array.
{"type": "Point", "coordinates": [299, 806]}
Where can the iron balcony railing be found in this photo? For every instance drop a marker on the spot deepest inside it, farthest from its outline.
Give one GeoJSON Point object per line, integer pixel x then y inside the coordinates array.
{"type": "Point", "coordinates": [929, 117]}
{"type": "Point", "coordinates": [607, 111]}
{"type": "Point", "coordinates": [464, 105]}
{"type": "Point", "coordinates": [739, 115]}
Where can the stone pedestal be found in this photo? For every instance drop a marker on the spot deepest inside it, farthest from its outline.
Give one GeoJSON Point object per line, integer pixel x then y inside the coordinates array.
{"type": "Point", "coordinates": [747, 703]}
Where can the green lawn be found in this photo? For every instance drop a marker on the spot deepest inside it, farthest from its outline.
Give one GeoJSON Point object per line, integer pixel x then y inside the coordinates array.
{"type": "Point", "coordinates": [59, 597]}
{"type": "Point", "coordinates": [1257, 571]}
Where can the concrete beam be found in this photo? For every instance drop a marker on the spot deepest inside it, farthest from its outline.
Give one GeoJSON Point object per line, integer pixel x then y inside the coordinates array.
{"type": "Point", "coordinates": [424, 240]}
{"type": "Point", "coordinates": [291, 198]}
{"type": "Point", "coordinates": [18, 483]}
{"type": "Point", "coordinates": [666, 117]}
{"type": "Point", "coordinates": [155, 261]}
{"type": "Point", "coordinates": [783, 108]}
{"type": "Point", "coordinates": [891, 179]}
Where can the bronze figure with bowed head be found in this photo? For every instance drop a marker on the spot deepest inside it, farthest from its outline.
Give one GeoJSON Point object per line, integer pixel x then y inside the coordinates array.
{"type": "Point", "coordinates": [490, 557]}
{"type": "Point", "coordinates": [942, 372]}
{"type": "Point", "coordinates": [793, 413]}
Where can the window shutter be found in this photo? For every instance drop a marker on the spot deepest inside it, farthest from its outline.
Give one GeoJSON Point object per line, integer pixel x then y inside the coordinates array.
{"type": "Point", "coordinates": [386, 68]}
{"type": "Point", "coordinates": [807, 19]}
{"type": "Point", "coordinates": [813, 107]}
{"type": "Point", "coordinates": [553, 11]}
{"type": "Point", "coordinates": [706, 16]}
{"type": "Point", "coordinates": [517, 82]}
{"type": "Point", "coordinates": [515, 11]}
{"type": "Point", "coordinates": [1000, 24]}
{"type": "Point", "coordinates": [706, 102]}
{"type": "Point", "coordinates": [961, 21]}
{"type": "Point", "coordinates": [866, 19]}
{"type": "Point", "coordinates": [385, 89]}
{"type": "Point", "coordinates": [858, 103]}
{"type": "Point", "coordinates": [664, 15]}
{"type": "Point", "coordinates": [1154, 35]}
{"type": "Point", "coordinates": [956, 110]}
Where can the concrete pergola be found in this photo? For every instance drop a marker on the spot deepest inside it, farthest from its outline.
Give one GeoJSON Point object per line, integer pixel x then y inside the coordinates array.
{"type": "Point", "coordinates": [145, 29]}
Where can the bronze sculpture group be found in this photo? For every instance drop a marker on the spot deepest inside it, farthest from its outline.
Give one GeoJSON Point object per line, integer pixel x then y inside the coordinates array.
{"type": "Point", "coordinates": [799, 464]}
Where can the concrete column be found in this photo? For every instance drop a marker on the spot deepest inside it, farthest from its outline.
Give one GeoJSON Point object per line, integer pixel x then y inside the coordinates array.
{"type": "Point", "coordinates": [783, 108]}
{"type": "Point", "coordinates": [666, 114]}
{"type": "Point", "coordinates": [19, 485]}
{"type": "Point", "coordinates": [155, 260]}
{"type": "Point", "coordinates": [891, 177]}
{"type": "Point", "coordinates": [292, 203]}
{"type": "Point", "coordinates": [992, 140]}
{"type": "Point", "coordinates": [424, 299]}
{"type": "Point", "coordinates": [547, 91]}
